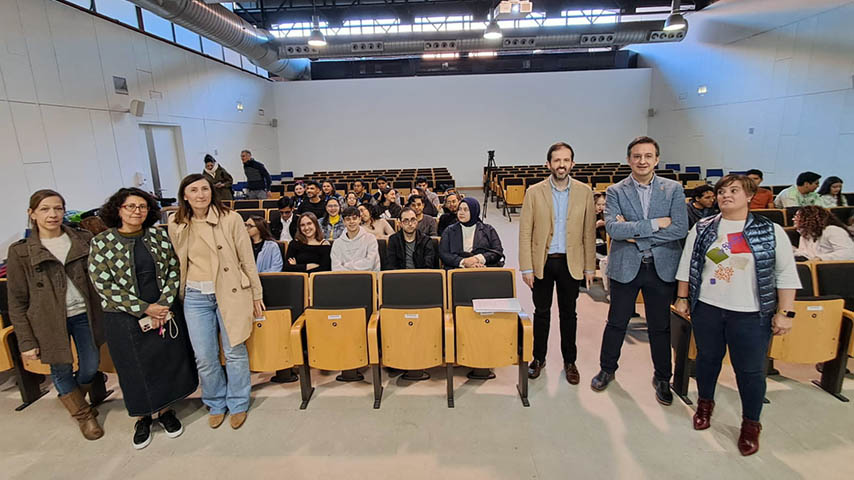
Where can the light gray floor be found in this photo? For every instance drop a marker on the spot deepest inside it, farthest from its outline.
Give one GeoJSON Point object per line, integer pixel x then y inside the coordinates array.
{"type": "Point", "coordinates": [568, 432]}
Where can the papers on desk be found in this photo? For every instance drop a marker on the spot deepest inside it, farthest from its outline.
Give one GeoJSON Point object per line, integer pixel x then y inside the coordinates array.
{"type": "Point", "coordinates": [496, 305]}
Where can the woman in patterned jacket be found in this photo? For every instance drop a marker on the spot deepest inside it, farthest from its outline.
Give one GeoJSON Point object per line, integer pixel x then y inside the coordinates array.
{"type": "Point", "coordinates": [135, 271]}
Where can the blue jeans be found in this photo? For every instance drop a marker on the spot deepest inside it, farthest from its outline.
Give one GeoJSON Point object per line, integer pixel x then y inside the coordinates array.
{"type": "Point", "coordinates": [221, 390]}
{"type": "Point", "coordinates": [748, 335]}
{"type": "Point", "coordinates": [88, 358]}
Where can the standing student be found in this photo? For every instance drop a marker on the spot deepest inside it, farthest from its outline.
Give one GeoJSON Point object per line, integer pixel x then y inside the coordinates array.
{"type": "Point", "coordinates": [646, 218]}
{"type": "Point", "coordinates": [409, 248]}
{"type": "Point", "coordinates": [309, 252]}
{"type": "Point", "coordinates": [355, 249]}
{"type": "Point", "coordinates": [313, 202]}
{"type": "Point", "coordinates": [830, 193]}
{"type": "Point", "coordinates": [801, 194]}
{"type": "Point", "coordinates": [258, 179]}
{"type": "Point", "coordinates": [52, 298]}
{"type": "Point", "coordinates": [222, 295]}
{"type": "Point", "coordinates": [221, 179]}
{"type": "Point", "coordinates": [135, 272]}
{"type": "Point", "coordinates": [470, 243]}
{"type": "Point", "coordinates": [764, 198]}
{"type": "Point", "coordinates": [737, 278]}
{"type": "Point", "coordinates": [557, 246]}
{"type": "Point", "coordinates": [331, 224]}
{"type": "Point", "coordinates": [268, 255]}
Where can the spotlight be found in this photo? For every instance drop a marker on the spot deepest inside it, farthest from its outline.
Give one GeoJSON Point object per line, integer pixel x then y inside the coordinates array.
{"type": "Point", "coordinates": [493, 31]}
{"type": "Point", "coordinates": [675, 22]}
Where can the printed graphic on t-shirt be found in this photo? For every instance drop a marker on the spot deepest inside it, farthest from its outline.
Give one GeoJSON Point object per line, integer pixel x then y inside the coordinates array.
{"type": "Point", "coordinates": [724, 258]}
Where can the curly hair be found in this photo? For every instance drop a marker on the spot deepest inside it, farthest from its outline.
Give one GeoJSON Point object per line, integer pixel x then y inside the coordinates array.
{"type": "Point", "coordinates": [109, 211]}
{"type": "Point", "coordinates": [812, 220]}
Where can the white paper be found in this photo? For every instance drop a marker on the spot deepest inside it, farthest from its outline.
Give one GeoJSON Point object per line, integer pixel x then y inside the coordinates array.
{"type": "Point", "coordinates": [493, 305]}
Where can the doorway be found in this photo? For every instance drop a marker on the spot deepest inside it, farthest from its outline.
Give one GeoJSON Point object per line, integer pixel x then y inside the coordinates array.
{"type": "Point", "coordinates": [165, 157]}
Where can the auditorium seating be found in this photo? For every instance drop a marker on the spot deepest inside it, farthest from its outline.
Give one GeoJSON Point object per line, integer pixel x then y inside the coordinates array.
{"type": "Point", "coordinates": [438, 179]}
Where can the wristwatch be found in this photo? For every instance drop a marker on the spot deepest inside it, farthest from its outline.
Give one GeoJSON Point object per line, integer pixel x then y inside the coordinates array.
{"type": "Point", "coordinates": [682, 298]}
{"type": "Point", "coordinates": [787, 313]}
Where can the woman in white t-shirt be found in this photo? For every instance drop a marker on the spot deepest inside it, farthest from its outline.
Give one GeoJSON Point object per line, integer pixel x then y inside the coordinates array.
{"type": "Point", "coordinates": [737, 277]}
{"type": "Point", "coordinates": [823, 236]}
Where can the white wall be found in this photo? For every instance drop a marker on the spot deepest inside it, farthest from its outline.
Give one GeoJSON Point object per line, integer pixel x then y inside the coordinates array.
{"type": "Point", "coordinates": [62, 125]}
{"type": "Point", "coordinates": [452, 121]}
{"type": "Point", "coordinates": [780, 67]}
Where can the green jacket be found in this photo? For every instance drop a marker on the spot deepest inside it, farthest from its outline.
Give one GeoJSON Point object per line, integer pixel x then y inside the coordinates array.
{"type": "Point", "coordinates": [111, 268]}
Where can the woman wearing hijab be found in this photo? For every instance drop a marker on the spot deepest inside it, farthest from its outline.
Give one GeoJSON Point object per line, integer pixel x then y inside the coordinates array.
{"type": "Point", "coordinates": [470, 243]}
{"type": "Point", "coordinates": [221, 179]}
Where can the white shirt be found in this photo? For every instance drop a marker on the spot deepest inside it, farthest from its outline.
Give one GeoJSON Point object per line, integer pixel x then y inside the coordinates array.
{"type": "Point", "coordinates": [75, 304]}
{"type": "Point", "coordinates": [286, 230]}
{"type": "Point", "coordinates": [729, 272]}
{"type": "Point", "coordinates": [833, 244]}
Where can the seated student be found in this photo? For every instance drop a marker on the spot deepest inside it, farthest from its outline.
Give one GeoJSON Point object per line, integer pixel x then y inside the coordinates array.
{"type": "Point", "coordinates": [823, 236]}
{"type": "Point", "coordinates": [831, 193]}
{"type": "Point", "coordinates": [309, 252]}
{"type": "Point", "coordinates": [389, 208]}
{"type": "Point", "coordinates": [268, 255]}
{"type": "Point", "coordinates": [299, 194]}
{"type": "Point", "coordinates": [702, 204]}
{"type": "Point", "coordinates": [372, 223]}
{"type": "Point", "coordinates": [429, 209]}
{"type": "Point", "coordinates": [801, 194]}
{"type": "Point", "coordinates": [426, 224]}
{"type": "Point", "coordinates": [452, 201]}
{"type": "Point", "coordinates": [331, 224]}
{"type": "Point", "coordinates": [313, 202]}
{"type": "Point", "coordinates": [764, 198]}
{"type": "Point", "coordinates": [362, 195]}
{"type": "Point", "coordinates": [470, 243]}
{"type": "Point", "coordinates": [410, 248]}
{"type": "Point", "coordinates": [356, 249]}
{"type": "Point", "coordinates": [281, 230]}
{"type": "Point", "coordinates": [382, 184]}
{"type": "Point", "coordinates": [422, 189]}
{"type": "Point", "coordinates": [328, 190]}
{"type": "Point", "coordinates": [351, 200]}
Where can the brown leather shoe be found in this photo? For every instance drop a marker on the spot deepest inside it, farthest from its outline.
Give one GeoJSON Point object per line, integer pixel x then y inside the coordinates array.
{"type": "Point", "coordinates": [703, 417]}
{"type": "Point", "coordinates": [237, 420]}
{"type": "Point", "coordinates": [81, 411]}
{"type": "Point", "coordinates": [572, 375]}
{"type": "Point", "coordinates": [215, 420]}
{"type": "Point", "coordinates": [535, 367]}
{"type": "Point", "coordinates": [748, 441]}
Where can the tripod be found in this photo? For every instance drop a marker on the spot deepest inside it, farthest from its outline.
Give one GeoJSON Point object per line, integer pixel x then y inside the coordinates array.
{"type": "Point", "coordinates": [487, 176]}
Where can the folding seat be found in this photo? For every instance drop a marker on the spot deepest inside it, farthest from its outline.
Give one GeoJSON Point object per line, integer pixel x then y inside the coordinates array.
{"type": "Point", "coordinates": [794, 236]}
{"type": "Point", "coordinates": [403, 187]}
{"type": "Point", "coordinates": [775, 189]}
{"type": "Point", "coordinates": [489, 340]}
{"type": "Point", "coordinates": [513, 194]}
{"type": "Point", "coordinates": [806, 274]}
{"type": "Point", "coordinates": [248, 213]}
{"type": "Point", "coordinates": [775, 215]}
{"type": "Point", "coordinates": [268, 204]}
{"type": "Point", "coordinates": [842, 213]}
{"type": "Point", "coordinates": [413, 331]}
{"type": "Point", "coordinates": [246, 204]}
{"type": "Point", "coordinates": [382, 248]}
{"type": "Point", "coordinates": [332, 332]}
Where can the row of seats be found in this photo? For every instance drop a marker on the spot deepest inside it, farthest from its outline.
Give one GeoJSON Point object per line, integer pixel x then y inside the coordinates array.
{"type": "Point", "coordinates": [382, 249]}
{"type": "Point", "coordinates": [404, 319]}
{"type": "Point", "coordinates": [785, 217]}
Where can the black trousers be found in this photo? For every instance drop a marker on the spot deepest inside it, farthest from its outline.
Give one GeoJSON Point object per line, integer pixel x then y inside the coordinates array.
{"type": "Point", "coordinates": [555, 271]}
{"type": "Point", "coordinates": [657, 297]}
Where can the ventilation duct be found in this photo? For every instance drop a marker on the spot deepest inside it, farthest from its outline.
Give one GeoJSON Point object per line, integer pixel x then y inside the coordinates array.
{"type": "Point", "coordinates": [615, 35]}
{"type": "Point", "coordinates": [226, 28]}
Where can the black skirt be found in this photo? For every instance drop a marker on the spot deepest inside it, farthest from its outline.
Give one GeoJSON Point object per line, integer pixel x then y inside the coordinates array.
{"type": "Point", "coordinates": [154, 372]}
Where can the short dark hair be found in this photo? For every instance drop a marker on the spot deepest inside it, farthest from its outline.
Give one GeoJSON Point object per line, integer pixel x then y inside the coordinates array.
{"type": "Point", "coordinates": [807, 177]}
{"type": "Point", "coordinates": [747, 184]}
{"type": "Point", "coordinates": [638, 141]}
{"type": "Point", "coordinates": [420, 179]}
{"type": "Point", "coordinates": [315, 183]}
{"type": "Point", "coordinates": [372, 209]}
{"type": "Point", "coordinates": [350, 212]}
{"type": "Point", "coordinates": [700, 190]}
{"type": "Point", "coordinates": [406, 209]}
{"type": "Point", "coordinates": [756, 172]}
{"type": "Point", "coordinates": [109, 211]}
{"type": "Point", "coordinates": [359, 182]}
{"type": "Point", "coordinates": [382, 177]}
{"type": "Point", "coordinates": [558, 146]}
{"type": "Point", "coordinates": [246, 151]}
{"type": "Point", "coordinates": [209, 158]}
{"type": "Point", "coordinates": [414, 198]}
{"type": "Point", "coordinates": [284, 202]}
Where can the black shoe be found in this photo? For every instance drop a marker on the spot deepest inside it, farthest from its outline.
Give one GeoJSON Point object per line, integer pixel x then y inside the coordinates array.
{"type": "Point", "coordinates": [535, 367]}
{"type": "Point", "coordinates": [601, 380]}
{"type": "Point", "coordinates": [142, 433]}
{"type": "Point", "coordinates": [171, 424]}
{"type": "Point", "coordinates": [662, 391]}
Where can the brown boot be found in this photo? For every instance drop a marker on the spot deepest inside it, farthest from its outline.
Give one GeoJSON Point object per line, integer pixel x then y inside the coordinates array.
{"type": "Point", "coordinates": [703, 417]}
{"type": "Point", "coordinates": [96, 391]}
{"type": "Point", "coordinates": [748, 441]}
{"type": "Point", "coordinates": [81, 411]}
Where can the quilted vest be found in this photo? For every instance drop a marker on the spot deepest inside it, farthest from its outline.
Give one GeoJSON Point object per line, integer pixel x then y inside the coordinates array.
{"type": "Point", "coordinates": [759, 234]}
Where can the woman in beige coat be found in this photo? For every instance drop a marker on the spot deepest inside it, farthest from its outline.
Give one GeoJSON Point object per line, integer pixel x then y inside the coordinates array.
{"type": "Point", "coordinates": [221, 293]}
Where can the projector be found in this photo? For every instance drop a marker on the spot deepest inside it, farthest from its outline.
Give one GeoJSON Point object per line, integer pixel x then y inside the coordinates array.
{"type": "Point", "coordinates": [512, 9]}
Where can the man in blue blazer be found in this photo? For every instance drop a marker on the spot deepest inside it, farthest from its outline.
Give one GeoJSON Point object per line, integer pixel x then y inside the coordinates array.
{"type": "Point", "coordinates": [646, 218]}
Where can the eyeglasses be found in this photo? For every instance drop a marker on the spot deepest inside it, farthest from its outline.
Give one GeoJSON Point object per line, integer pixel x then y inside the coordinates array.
{"type": "Point", "coordinates": [249, 225]}
{"type": "Point", "coordinates": [408, 220]}
{"type": "Point", "coordinates": [131, 208]}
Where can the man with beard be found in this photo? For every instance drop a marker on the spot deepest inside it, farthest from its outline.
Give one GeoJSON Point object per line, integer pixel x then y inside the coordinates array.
{"type": "Point", "coordinates": [452, 202]}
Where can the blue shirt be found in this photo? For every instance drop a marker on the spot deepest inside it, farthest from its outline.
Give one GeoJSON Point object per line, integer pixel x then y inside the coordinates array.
{"type": "Point", "coordinates": [645, 194]}
{"type": "Point", "coordinates": [560, 204]}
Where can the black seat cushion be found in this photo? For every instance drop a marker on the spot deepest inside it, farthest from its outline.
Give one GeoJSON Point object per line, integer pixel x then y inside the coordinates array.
{"type": "Point", "coordinates": [343, 291]}
{"type": "Point", "coordinates": [412, 289]}
{"type": "Point", "coordinates": [284, 291]}
{"type": "Point", "coordinates": [476, 284]}
{"type": "Point", "coordinates": [835, 279]}
{"type": "Point", "coordinates": [805, 275]}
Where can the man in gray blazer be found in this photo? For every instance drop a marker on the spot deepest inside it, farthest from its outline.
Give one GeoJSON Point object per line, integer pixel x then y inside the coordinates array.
{"type": "Point", "coordinates": [645, 216]}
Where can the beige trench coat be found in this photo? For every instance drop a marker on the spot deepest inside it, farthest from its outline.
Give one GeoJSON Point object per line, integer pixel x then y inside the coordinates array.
{"type": "Point", "coordinates": [237, 281]}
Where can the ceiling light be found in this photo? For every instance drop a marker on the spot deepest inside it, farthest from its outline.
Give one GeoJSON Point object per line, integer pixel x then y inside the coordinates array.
{"type": "Point", "coordinates": [493, 31]}
{"type": "Point", "coordinates": [675, 22]}
{"type": "Point", "coordinates": [316, 38]}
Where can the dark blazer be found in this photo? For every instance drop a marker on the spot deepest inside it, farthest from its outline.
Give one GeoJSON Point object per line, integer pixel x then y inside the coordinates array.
{"type": "Point", "coordinates": [486, 243]}
{"type": "Point", "coordinates": [424, 256]}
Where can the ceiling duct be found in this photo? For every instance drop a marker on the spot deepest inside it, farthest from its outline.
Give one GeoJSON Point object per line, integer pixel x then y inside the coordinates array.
{"type": "Point", "coordinates": [616, 35]}
{"type": "Point", "coordinates": [219, 24]}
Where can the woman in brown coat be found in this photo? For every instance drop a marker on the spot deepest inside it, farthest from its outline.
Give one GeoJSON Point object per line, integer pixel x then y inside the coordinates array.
{"type": "Point", "coordinates": [50, 298]}
{"type": "Point", "coordinates": [221, 292]}
{"type": "Point", "coordinates": [221, 179]}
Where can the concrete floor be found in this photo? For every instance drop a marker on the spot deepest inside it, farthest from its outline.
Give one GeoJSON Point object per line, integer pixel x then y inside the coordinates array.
{"type": "Point", "coordinates": [568, 432]}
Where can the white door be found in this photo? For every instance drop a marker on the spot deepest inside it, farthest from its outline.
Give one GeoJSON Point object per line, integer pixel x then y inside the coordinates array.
{"type": "Point", "coordinates": [165, 159]}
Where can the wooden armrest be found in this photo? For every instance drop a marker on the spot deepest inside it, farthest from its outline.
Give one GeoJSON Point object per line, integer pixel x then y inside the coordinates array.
{"type": "Point", "coordinates": [296, 339]}
{"type": "Point", "coordinates": [848, 314]}
{"type": "Point", "coordinates": [6, 361]}
{"type": "Point", "coordinates": [527, 336]}
{"type": "Point", "coordinates": [373, 339]}
{"type": "Point", "coordinates": [450, 344]}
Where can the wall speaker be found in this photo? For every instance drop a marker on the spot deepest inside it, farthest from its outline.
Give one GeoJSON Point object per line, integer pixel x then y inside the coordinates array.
{"type": "Point", "coordinates": [650, 113]}
{"type": "Point", "coordinates": [274, 122]}
{"type": "Point", "coordinates": [137, 108]}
